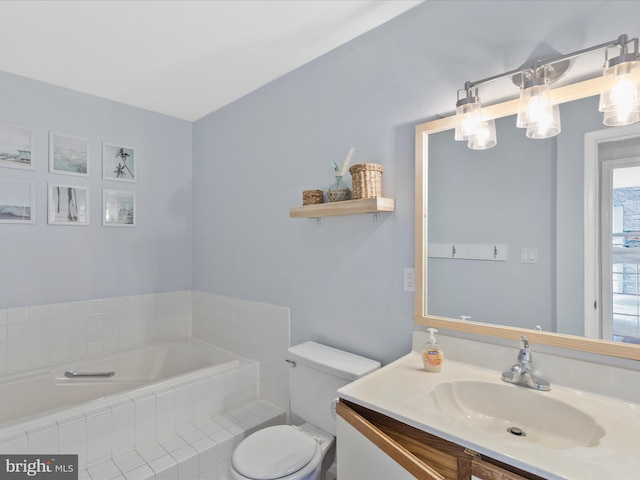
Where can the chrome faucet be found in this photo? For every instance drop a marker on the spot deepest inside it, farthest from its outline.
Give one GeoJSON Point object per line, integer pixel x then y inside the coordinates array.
{"type": "Point", "coordinates": [521, 373]}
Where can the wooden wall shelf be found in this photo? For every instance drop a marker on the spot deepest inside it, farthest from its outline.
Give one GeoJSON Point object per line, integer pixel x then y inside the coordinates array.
{"type": "Point", "coordinates": [348, 207]}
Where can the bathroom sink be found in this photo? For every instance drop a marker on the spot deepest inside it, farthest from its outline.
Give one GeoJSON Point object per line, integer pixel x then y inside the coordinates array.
{"type": "Point", "coordinates": [517, 413]}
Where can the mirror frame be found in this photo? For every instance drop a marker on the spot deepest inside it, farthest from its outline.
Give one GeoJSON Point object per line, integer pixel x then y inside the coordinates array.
{"type": "Point", "coordinates": [559, 95]}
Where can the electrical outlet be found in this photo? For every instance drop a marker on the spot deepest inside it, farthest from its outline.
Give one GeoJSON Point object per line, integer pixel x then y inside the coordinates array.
{"type": "Point", "coordinates": [409, 279]}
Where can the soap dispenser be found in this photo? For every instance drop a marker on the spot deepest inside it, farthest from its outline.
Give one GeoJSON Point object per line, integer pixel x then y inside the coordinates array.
{"type": "Point", "coordinates": [432, 355]}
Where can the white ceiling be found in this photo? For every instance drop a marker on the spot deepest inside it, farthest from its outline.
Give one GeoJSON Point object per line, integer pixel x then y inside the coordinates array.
{"type": "Point", "coordinates": [181, 58]}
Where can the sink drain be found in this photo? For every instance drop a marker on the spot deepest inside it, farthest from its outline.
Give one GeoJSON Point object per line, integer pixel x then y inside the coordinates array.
{"type": "Point", "coordinates": [518, 432]}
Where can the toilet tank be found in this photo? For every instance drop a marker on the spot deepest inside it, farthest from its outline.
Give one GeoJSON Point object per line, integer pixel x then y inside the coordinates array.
{"type": "Point", "coordinates": [318, 373]}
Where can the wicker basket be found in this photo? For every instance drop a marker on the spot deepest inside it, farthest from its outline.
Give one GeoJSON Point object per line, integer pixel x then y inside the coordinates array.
{"type": "Point", "coordinates": [366, 180]}
{"type": "Point", "coordinates": [312, 197]}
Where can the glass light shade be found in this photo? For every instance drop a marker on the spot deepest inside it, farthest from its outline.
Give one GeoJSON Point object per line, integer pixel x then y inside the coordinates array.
{"type": "Point", "coordinates": [468, 117]}
{"type": "Point", "coordinates": [618, 119]}
{"type": "Point", "coordinates": [547, 125]}
{"type": "Point", "coordinates": [535, 103]}
{"type": "Point", "coordinates": [485, 136]}
{"type": "Point", "coordinates": [620, 96]}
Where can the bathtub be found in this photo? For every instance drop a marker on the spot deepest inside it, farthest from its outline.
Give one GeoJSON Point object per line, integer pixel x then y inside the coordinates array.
{"type": "Point", "coordinates": [46, 393]}
{"type": "Point", "coordinates": [156, 391]}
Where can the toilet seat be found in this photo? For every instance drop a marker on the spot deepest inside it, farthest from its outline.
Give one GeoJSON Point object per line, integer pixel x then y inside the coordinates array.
{"type": "Point", "coordinates": [274, 452]}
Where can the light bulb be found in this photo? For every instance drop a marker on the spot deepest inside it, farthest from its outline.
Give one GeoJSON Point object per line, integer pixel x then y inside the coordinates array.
{"type": "Point", "coordinates": [624, 96]}
{"type": "Point", "coordinates": [485, 136]}
{"type": "Point", "coordinates": [620, 96]}
{"type": "Point", "coordinates": [547, 123]}
{"type": "Point", "coordinates": [538, 110]}
{"type": "Point", "coordinates": [468, 117]}
{"type": "Point", "coordinates": [536, 113]}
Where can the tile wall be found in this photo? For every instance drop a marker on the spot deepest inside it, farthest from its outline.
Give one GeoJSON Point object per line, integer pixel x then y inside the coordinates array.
{"type": "Point", "coordinates": [253, 330]}
{"type": "Point", "coordinates": [40, 335]}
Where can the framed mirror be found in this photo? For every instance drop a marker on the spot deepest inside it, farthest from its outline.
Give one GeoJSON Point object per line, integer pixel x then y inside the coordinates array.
{"type": "Point", "coordinates": [508, 239]}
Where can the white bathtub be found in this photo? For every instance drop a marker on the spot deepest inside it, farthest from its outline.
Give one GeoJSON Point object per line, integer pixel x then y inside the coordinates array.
{"type": "Point", "coordinates": [158, 393]}
{"type": "Point", "coordinates": [42, 392]}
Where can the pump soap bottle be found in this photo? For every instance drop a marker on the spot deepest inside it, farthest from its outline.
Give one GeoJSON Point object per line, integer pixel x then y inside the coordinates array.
{"type": "Point", "coordinates": [432, 355]}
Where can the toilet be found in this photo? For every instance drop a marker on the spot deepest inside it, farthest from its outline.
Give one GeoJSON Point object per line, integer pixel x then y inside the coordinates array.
{"type": "Point", "coordinates": [305, 452]}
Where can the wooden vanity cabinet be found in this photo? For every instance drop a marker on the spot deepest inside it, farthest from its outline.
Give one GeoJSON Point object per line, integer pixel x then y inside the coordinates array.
{"type": "Point", "coordinates": [420, 454]}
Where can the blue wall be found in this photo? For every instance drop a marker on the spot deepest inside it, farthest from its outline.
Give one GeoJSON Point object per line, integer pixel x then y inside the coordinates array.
{"type": "Point", "coordinates": [214, 196]}
{"type": "Point", "coordinates": [44, 263]}
{"type": "Point", "coordinates": [504, 195]}
{"type": "Point", "coordinates": [252, 160]}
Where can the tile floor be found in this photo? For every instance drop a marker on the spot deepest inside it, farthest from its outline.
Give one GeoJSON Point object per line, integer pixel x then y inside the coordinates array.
{"type": "Point", "coordinates": [201, 450]}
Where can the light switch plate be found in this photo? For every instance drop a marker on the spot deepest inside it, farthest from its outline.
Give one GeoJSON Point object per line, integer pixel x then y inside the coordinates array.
{"type": "Point", "coordinates": [528, 255]}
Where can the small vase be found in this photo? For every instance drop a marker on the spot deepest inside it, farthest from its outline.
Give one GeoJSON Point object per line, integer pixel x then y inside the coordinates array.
{"type": "Point", "coordinates": [339, 191]}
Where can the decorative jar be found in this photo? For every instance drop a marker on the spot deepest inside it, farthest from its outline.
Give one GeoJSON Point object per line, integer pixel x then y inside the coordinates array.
{"type": "Point", "coordinates": [339, 191]}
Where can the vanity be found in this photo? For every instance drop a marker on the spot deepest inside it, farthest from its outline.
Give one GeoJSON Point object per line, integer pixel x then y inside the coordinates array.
{"type": "Point", "coordinates": [466, 423]}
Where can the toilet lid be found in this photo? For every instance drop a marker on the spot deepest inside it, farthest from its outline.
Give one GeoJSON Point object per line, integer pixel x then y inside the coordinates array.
{"type": "Point", "coordinates": [273, 452]}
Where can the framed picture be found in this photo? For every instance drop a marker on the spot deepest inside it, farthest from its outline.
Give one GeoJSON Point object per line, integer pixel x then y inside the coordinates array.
{"type": "Point", "coordinates": [16, 147]}
{"type": "Point", "coordinates": [68, 155]}
{"type": "Point", "coordinates": [119, 163]}
{"type": "Point", "coordinates": [119, 208]}
{"type": "Point", "coordinates": [17, 202]}
{"type": "Point", "coordinates": [68, 205]}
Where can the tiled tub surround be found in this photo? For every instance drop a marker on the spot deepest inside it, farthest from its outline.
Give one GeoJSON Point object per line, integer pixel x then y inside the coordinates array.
{"type": "Point", "coordinates": [253, 330]}
{"type": "Point", "coordinates": [201, 450]}
{"type": "Point", "coordinates": [40, 335]}
{"type": "Point", "coordinates": [183, 427]}
{"type": "Point", "coordinates": [159, 432]}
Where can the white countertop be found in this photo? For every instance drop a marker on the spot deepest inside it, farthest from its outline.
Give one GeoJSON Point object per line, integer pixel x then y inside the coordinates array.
{"type": "Point", "coordinates": [401, 390]}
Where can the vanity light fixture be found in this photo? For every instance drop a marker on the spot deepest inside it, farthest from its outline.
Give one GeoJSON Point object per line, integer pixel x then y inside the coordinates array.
{"type": "Point", "coordinates": [479, 132]}
{"type": "Point", "coordinates": [620, 96]}
{"type": "Point", "coordinates": [469, 115]}
{"type": "Point", "coordinates": [536, 112]}
{"type": "Point", "coordinates": [619, 99]}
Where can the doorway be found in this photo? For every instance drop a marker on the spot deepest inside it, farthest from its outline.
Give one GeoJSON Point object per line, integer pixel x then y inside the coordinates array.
{"type": "Point", "coordinates": [620, 253]}
{"type": "Point", "coordinates": [612, 235]}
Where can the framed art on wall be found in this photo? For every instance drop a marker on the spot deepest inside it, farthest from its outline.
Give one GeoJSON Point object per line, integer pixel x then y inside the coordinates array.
{"type": "Point", "coordinates": [68, 155]}
{"type": "Point", "coordinates": [119, 208]}
{"type": "Point", "coordinates": [16, 147]}
{"type": "Point", "coordinates": [68, 205]}
{"type": "Point", "coordinates": [119, 163]}
{"type": "Point", "coordinates": [17, 202]}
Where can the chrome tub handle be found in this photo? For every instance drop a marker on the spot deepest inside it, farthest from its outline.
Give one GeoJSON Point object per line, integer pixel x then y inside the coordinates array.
{"type": "Point", "coordinates": [88, 374]}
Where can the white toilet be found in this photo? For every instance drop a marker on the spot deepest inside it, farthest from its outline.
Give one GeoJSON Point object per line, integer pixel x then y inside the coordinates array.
{"type": "Point", "coordinates": [287, 452]}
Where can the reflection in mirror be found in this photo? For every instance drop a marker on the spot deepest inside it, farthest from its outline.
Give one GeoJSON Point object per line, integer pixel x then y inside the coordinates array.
{"type": "Point", "coordinates": [527, 199]}
{"type": "Point", "coordinates": [506, 231]}
{"type": "Point", "coordinates": [620, 233]}
{"type": "Point", "coordinates": [501, 196]}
